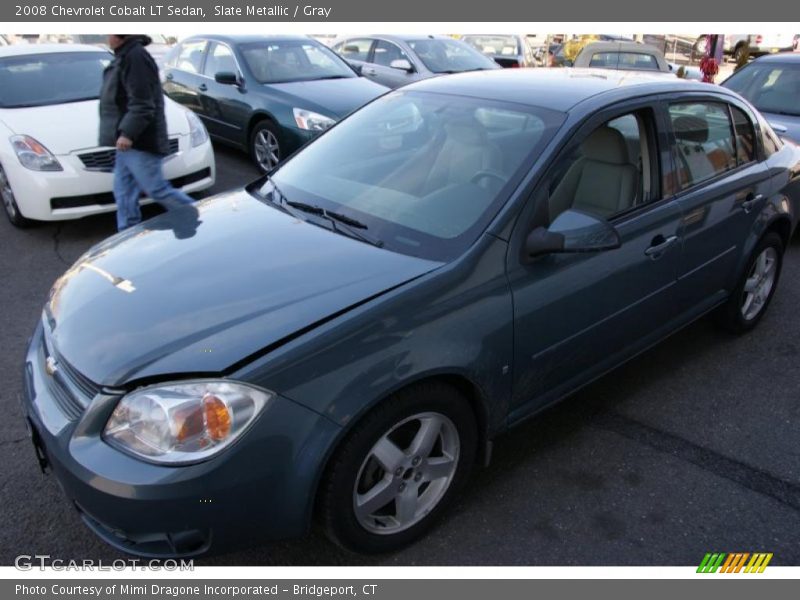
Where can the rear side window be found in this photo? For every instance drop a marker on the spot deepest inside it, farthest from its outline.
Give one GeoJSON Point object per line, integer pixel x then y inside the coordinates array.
{"type": "Point", "coordinates": [704, 142]}
{"type": "Point", "coordinates": [745, 137]}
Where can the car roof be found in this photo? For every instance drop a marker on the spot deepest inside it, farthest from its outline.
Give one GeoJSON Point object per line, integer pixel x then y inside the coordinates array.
{"type": "Point", "coordinates": [247, 38]}
{"type": "Point", "coordinates": [781, 57]}
{"type": "Point", "coordinates": [28, 49]}
{"type": "Point", "coordinates": [557, 89]}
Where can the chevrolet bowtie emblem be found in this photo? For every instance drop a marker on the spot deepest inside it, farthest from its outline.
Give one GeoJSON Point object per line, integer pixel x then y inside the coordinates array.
{"type": "Point", "coordinates": [51, 366]}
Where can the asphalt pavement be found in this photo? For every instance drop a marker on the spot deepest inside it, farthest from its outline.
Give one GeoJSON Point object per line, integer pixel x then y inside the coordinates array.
{"type": "Point", "coordinates": [693, 447]}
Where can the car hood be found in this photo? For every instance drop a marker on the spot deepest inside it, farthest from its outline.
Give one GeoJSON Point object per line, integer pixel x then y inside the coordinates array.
{"type": "Point", "coordinates": [178, 296]}
{"type": "Point", "coordinates": [331, 97]}
{"type": "Point", "coordinates": [70, 127]}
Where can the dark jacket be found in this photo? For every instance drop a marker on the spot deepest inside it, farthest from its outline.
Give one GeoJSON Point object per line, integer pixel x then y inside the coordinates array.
{"type": "Point", "coordinates": [131, 100]}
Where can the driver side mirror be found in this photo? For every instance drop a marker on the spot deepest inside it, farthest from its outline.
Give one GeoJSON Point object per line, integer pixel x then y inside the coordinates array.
{"type": "Point", "coordinates": [227, 78]}
{"type": "Point", "coordinates": [402, 64]}
{"type": "Point", "coordinates": [572, 231]}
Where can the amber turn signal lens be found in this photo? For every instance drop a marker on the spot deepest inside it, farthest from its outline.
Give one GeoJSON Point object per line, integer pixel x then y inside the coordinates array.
{"type": "Point", "coordinates": [217, 418]}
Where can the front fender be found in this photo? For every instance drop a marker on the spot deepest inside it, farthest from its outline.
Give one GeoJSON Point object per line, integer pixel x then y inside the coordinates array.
{"type": "Point", "coordinates": [457, 320]}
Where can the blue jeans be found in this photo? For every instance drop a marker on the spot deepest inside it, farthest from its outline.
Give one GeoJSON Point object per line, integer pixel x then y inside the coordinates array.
{"type": "Point", "coordinates": [136, 172]}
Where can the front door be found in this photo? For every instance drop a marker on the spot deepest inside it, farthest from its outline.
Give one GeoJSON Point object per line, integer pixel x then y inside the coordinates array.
{"type": "Point", "coordinates": [577, 315]}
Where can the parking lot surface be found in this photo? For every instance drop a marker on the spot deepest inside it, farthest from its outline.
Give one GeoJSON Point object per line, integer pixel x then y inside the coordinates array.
{"type": "Point", "coordinates": [690, 448]}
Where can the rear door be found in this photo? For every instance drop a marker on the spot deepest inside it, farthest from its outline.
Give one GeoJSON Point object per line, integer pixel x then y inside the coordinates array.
{"type": "Point", "coordinates": [225, 111]}
{"type": "Point", "coordinates": [183, 76]}
{"type": "Point", "coordinates": [722, 187]}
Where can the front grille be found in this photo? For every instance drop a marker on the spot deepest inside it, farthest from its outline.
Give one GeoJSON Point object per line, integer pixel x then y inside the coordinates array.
{"type": "Point", "coordinates": [70, 389]}
{"type": "Point", "coordinates": [108, 197]}
{"type": "Point", "coordinates": [103, 160]}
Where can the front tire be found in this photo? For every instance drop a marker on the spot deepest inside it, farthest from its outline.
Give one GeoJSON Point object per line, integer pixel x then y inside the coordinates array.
{"type": "Point", "coordinates": [399, 469]}
{"type": "Point", "coordinates": [10, 202]}
{"type": "Point", "coordinates": [757, 285]}
{"type": "Point", "coordinates": [265, 149]}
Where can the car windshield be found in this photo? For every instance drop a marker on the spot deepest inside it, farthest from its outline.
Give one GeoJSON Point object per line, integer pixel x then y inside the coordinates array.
{"type": "Point", "coordinates": [449, 56]}
{"type": "Point", "coordinates": [281, 61]}
{"type": "Point", "coordinates": [423, 172]}
{"type": "Point", "coordinates": [626, 61]}
{"type": "Point", "coordinates": [494, 44]}
{"type": "Point", "coordinates": [770, 87]}
{"type": "Point", "coordinates": [43, 79]}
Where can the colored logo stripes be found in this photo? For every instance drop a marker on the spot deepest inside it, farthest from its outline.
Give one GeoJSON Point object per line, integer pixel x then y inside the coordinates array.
{"type": "Point", "coordinates": [735, 562]}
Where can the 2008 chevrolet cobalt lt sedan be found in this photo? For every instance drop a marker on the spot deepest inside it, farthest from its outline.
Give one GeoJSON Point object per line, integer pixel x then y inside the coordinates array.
{"type": "Point", "coordinates": [341, 341]}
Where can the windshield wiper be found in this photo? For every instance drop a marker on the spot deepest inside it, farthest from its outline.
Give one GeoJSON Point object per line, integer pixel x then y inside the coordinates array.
{"type": "Point", "coordinates": [331, 77]}
{"type": "Point", "coordinates": [351, 225]}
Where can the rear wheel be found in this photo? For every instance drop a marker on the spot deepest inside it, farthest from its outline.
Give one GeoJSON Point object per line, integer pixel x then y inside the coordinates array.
{"type": "Point", "coordinates": [752, 295]}
{"type": "Point", "coordinates": [10, 202]}
{"type": "Point", "coordinates": [399, 469]}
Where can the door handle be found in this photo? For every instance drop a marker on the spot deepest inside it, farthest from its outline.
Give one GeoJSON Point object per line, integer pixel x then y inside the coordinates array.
{"type": "Point", "coordinates": [659, 245]}
{"type": "Point", "coordinates": [750, 201]}
{"type": "Point", "coordinates": [368, 70]}
{"type": "Point", "coordinates": [202, 87]}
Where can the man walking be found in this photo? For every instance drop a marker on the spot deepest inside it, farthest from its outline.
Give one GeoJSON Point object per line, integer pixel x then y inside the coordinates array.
{"type": "Point", "coordinates": [132, 119]}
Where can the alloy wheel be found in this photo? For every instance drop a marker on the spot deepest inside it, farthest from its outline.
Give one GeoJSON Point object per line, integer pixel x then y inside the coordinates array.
{"type": "Point", "coordinates": [406, 473]}
{"type": "Point", "coordinates": [267, 150]}
{"type": "Point", "coordinates": [759, 284]}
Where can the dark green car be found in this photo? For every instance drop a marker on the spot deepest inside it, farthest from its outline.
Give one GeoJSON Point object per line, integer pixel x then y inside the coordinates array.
{"type": "Point", "coordinates": [267, 95]}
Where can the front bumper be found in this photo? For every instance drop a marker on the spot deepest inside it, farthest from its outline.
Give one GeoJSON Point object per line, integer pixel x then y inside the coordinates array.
{"type": "Point", "coordinates": [78, 192]}
{"type": "Point", "coordinates": [260, 488]}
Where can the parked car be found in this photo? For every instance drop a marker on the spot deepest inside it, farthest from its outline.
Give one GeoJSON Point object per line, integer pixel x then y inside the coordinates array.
{"type": "Point", "coordinates": [506, 50]}
{"type": "Point", "coordinates": [443, 264]}
{"type": "Point", "coordinates": [623, 56]}
{"type": "Point", "coordinates": [394, 60]}
{"type": "Point", "coordinates": [51, 167]}
{"type": "Point", "coordinates": [772, 85]}
{"type": "Point", "coordinates": [736, 44]}
{"type": "Point", "coordinates": [266, 95]}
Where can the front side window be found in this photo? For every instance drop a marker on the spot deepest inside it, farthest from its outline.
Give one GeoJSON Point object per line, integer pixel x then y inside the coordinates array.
{"type": "Point", "coordinates": [42, 79]}
{"type": "Point", "coordinates": [282, 61]}
{"type": "Point", "coordinates": [424, 172]}
{"type": "Point", "coordinates": [386, 52]}
{"type": "Point", "coordinates": [220, 60]}
{"type": "Point", "coordinates": [704, 142]}
{"type": "Point", "coordinates": [608, 172]}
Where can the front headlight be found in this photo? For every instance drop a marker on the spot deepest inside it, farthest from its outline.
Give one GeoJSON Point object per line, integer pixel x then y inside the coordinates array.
{"type": "Point", "coordinates": [34, 155]}
{"type": "Point", "coordinates": [197, 131]}
{"type": "Point", "coordinates": [183, 422]}
{"type": "Point", "coordinates": [311, 121]}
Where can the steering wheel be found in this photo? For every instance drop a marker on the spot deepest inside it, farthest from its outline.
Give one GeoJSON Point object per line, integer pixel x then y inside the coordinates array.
{"type": "Point", "coordinates": [489, 173]}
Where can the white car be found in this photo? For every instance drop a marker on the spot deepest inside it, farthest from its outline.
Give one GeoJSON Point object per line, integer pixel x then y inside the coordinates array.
{"type": "Point", "coordinates": [51, 167]}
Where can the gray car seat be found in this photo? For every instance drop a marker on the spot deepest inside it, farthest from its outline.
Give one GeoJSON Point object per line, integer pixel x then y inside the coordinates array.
{"type": "Point", "coordinates": [601, 181]}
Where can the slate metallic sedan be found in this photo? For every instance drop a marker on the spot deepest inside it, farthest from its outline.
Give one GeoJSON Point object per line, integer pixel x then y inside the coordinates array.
{"type": "Point", "coordinates": [394, 60]}
{"type": "Point", "coordinates": [772, 84]}
{"type": "Point", "coordinates": [265, 95]}
{"type": "Point", "coordinates": [344, 338]}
